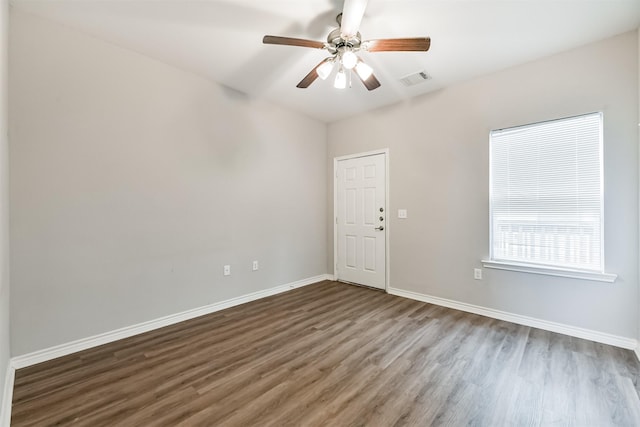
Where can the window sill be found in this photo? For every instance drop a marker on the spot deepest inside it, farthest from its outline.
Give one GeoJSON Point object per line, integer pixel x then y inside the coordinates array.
{"type": "Point", "coordinates": [550, 271]}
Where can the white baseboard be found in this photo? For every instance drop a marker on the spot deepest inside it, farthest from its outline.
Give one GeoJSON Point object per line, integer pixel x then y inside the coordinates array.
{"type": "Point", "coordinates": [637, 352]}
{"type": "Point", "coordinates": [7, 396]}
{"type": "Point", "coordinates": [128, 331]}
{"type": "Point", "coordinates": [601, 337]}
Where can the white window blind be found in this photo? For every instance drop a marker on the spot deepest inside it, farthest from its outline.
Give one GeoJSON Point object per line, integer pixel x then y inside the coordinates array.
{"type": "Point", "coordinates": [546, 194]}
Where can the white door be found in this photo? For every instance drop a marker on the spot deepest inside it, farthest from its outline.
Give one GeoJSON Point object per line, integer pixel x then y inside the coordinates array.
{"type": "Point", "coordinates": [361, 220]}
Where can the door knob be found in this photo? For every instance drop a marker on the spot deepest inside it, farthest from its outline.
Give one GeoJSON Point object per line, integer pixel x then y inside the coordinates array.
{"type": "Point", "coordinates": [379, 228]}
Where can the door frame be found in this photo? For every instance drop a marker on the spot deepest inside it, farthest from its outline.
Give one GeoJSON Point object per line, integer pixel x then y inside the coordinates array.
{"type": "Point", "coordinates": [385, 152]}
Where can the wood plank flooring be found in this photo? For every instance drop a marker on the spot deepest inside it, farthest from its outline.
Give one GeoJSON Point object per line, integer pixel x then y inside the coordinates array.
{"type": "Point", "coordinates": [331, 354]}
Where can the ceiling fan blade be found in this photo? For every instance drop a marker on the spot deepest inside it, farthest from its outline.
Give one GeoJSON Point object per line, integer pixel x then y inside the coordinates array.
{"type": "Point", "coordinates": [312, 76]}
{"type": "Point", "coordinates": [396, 45]}
{"type": "Point", "coordinates": [371, 83]}
{"type": "Point", "coordinates": [352, 13]}
{"type": "Point", "coordinates": [290, 41]}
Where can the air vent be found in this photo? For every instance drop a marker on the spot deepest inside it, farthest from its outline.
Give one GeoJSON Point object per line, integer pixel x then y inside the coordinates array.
{"type": "Point", "coordinates": [415, 78]}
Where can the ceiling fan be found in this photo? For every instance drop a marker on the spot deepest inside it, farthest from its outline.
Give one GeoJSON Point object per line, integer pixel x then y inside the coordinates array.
{"type": "Point", "coordinates": [343, 43]}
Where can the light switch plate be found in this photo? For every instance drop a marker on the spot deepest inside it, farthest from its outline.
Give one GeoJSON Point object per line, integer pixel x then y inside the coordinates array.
{"type": "Point", "coordinates": [402, 213]}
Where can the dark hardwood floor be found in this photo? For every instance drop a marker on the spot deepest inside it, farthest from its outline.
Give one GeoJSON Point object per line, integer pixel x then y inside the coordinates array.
{"type": "Point", "coordinates": [331, 354]}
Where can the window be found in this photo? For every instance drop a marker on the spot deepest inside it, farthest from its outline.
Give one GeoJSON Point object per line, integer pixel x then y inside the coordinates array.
{"type": "Point", "coordinates": [546, 198]}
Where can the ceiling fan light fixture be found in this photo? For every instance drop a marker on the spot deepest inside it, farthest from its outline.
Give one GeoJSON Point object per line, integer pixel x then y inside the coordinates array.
{"type": "Point", "coordinates": [325, 69]}
{"type": "Point", "coordinates": [341, 79]}
{"type": "Point", "coordinates": [363, 70]}
{"type": "Point", "coordinates": [349, 59]}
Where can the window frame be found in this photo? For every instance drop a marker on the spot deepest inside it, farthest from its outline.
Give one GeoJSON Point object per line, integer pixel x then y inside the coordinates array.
{"type": "Point", "coordinates": [540, 268]}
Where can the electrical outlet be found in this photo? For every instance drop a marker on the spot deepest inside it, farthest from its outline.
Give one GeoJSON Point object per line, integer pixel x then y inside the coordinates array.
{"type": "Point", "coordinates": [477, 273]}
{"type": "Point", "coordinates": [226, 270]}
{"type": "Point", "coordinates": [402, 213]}
{"type": "Point", "coordinates": [255, 265]}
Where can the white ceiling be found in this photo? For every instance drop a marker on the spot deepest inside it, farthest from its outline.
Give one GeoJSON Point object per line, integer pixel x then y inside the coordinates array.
{"type": "Point", "coordinates": [222, 40]}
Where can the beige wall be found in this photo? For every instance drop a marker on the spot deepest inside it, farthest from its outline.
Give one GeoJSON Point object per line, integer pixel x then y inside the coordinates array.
{"type": "Point", "coordinates": [439, 172]}
{"type": "Point", "coordinates": [133, 183]}
{"type": "Point", "coordinates": [5, 351]}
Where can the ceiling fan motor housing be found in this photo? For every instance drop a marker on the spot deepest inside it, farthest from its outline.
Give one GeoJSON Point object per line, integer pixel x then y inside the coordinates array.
{"type": "Point", "coordinates": [335, 41]}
